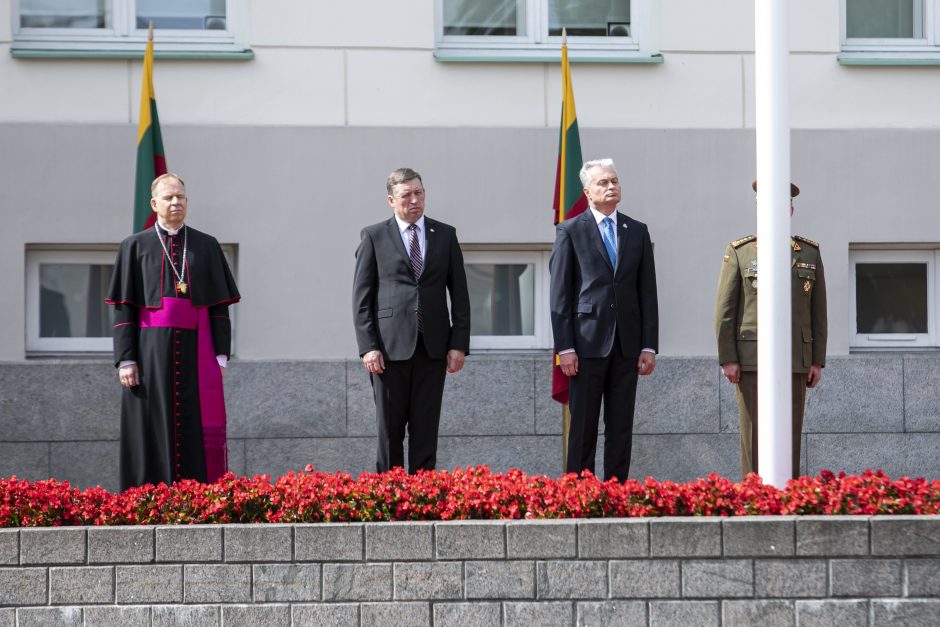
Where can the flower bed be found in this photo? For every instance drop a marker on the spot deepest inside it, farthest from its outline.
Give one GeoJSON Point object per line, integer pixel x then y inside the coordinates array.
{"type": "Point", "coordinates": [471, 493]}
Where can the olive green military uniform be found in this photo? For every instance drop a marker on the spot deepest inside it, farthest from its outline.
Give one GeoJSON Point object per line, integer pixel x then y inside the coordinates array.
{"type": "Point", "coordinates": [736, 328]}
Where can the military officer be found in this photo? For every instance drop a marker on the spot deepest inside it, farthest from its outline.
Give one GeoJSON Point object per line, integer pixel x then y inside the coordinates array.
{"type": "Point", "coordinates": [736, 328]}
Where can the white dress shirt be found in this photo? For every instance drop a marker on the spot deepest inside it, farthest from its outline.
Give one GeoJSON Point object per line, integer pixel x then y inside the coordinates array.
{"type": "Point", "coordinates": [599, 218]}
{"type": "Point", "coordinates": [403, 228]}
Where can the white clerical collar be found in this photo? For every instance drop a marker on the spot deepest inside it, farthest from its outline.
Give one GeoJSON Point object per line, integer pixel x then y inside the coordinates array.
{"type": "Point", "coordinates": [168, 230]}
{"type": "Point", "coordinates": [403, 226]}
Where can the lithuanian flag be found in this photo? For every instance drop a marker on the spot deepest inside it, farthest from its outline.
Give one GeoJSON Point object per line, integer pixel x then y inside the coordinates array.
{"type": "Point", "coordinates": [151, 161]}
{"type": "Point", "coordinates": [569, 202]}
{"type": "Point", "coordinates": [569, 195]}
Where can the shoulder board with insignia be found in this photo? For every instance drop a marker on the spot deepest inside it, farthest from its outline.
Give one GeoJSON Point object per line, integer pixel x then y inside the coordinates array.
{"type": "Point", "coordinates": [806, 240]}
{"type": "Point", "coordinates": [744, 240]}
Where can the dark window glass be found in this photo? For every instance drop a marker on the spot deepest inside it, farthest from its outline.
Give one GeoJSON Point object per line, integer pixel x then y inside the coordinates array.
{"type": "Point", "coordinates": [884, 19]}
{"type": "Point", "coordinates": [65, 14]}
{"type": "Point", "coordinates": [589, 18]}
{"type": "Point", "coordinates": [502, 298]}
{"type": "Point", "coordinates": [891, 297]}
{"type": "Point", "coordinates": [71, 300]}
{"type": "Point", "coordinates": [478, 18]}
{"type": "Point", "coordinates": [182, 14]}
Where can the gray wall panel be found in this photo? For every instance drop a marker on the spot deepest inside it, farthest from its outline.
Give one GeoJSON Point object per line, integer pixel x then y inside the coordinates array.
{"type": "Point", "coordinates": [490, 397]}
{"type": "Point", "coordinates": [63, 401]}
{"type": "Point", "coordinates": [286, 399]}
{"type": "Point", "coordinates": [276, 423]}
{"type": "Point", "coordinates": [921, 385]}
{"type": "Point", "coordinates": [908, 454]}
{"type": "Point", "coordinates": [860, 394]}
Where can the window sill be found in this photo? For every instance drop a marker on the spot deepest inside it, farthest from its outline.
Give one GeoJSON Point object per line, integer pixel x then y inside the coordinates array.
{"type": "Point", "coordinates": [860, 350]}
{"type": "Point", "coordinates": [69, 356]}
{"type": "Point", "coordinates": [61, 53]}
{"type": "Point", "coordinates": [503, 55]}
{"type": "Point", "coordinates": [510, 353]}
{"type": "Point", "coordinates": [888, 59]}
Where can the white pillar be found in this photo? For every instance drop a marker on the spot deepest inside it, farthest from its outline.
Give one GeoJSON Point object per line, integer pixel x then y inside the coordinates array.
{"type": "Point", "coordinates": [773, 240]}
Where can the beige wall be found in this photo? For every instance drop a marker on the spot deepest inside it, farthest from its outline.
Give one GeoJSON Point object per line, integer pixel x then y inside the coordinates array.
{"type": "Point", "coordinates": [370, 64]}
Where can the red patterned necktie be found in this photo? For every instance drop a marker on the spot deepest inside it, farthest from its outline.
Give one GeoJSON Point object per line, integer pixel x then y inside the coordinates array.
{"type": "Point", "coordinates": [417, 264]}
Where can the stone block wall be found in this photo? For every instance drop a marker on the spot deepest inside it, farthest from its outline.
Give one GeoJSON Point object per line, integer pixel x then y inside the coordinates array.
{"type": "Point", "coordinates": [870, 411]}
{"type": "Point", "coordinates": [766, 571]}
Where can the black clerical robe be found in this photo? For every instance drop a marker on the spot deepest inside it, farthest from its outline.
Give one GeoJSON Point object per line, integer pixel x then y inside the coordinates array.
{"type": "Point", "coordinates": [163, 438]}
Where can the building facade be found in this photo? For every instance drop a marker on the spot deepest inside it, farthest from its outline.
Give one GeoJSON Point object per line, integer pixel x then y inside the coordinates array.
{"type": "Point", "coordinates": [284, 119]}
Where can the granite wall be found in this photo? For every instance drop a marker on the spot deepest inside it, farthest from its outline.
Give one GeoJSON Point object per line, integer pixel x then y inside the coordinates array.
{"type": "Point", "coordinates": [768, 571]}
{"type": "Point", "coordinates": [60, 418]}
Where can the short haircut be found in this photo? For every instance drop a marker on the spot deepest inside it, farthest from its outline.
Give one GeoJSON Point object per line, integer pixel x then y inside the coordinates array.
{"type": "Point", "coordinates": [400, 176]}
{"type": "Point", "coordinates": [163, 177]}
{"type": "Point", "coordinates": [596, 163]}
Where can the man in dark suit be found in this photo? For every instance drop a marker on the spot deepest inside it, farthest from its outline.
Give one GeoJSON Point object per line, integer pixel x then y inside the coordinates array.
{"type": "Point", "coordinates": [405, 268]}
{"type": "Point", "coordinates": [605, 319]}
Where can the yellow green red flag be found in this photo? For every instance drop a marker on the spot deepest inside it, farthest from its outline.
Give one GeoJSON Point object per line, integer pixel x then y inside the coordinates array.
{"type": "Point", "coordinates": [569, 196]}
{"type": "Point", "coordinates": [151, 162]}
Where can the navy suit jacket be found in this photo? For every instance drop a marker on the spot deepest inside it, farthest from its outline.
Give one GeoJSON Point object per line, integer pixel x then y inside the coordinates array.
{"type": "Point", "coordinates": [591, 301]}
{"type": "Point", "coordinates": [386, 295]}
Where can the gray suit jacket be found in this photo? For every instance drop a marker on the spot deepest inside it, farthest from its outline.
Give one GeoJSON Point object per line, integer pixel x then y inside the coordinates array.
{"type": "Point", "coordinates": [591, 301]}
{"type": "Point", "coordinates": [386, 295]}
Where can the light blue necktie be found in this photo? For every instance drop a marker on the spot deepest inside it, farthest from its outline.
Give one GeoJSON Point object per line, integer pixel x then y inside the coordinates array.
{"type": "Point", "coordinates": [609, 241]}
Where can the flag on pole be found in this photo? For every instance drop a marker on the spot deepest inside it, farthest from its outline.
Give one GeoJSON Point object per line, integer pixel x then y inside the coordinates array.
{"type": "Point", "coordinates": [151, 161]}
{"type": "Point", "coordinates": [569, 202]}
{"type": "Point", "coordinates": [569, 195]}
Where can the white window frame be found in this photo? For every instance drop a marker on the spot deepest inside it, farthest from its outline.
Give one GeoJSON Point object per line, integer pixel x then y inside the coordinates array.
{"type": "Point", "coordinates": [124, 36]}
{"type": "Point", "coordinates": [542, 338]}
{"type": "Point", "coordinates": [913, 47]}
{"type": "Point", "coordinates": [37, 344]}
{"type": "Point", "coordinates": [83, 254]}
{"type": "Point", "coordinates": [896, 341]}
{"type": "Point", "coordinates": [537, 45]}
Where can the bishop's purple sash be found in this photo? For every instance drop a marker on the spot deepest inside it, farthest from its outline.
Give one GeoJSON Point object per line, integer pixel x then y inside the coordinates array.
{"type": "Point", "coordinates": [181, 314]}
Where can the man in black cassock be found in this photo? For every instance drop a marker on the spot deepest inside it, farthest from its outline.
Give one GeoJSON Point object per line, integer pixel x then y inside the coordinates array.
{"type": "Point", "coordinates": [170, 290]}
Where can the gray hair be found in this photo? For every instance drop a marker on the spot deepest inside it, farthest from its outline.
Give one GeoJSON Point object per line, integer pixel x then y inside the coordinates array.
{"type": "Point", "coordinates": [400, 176]}
{"type": "Point", "coordinates": [596, 163]}
{"type": "Point", "coordinates": [163, 177]}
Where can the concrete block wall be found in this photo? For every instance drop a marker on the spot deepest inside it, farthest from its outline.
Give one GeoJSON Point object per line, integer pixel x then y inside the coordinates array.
{"type": "Point", "coordinates": [765, 571]}
{"type": "Point", "coordinates": [61, 419]}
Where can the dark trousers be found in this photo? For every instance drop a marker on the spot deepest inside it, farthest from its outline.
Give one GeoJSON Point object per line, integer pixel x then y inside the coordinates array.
{"type": "Point", "coordinates": [408, 396]}
{"type": "Point", "coordinates": [747, 418]}
{"type": "Point", "coordinates": [612, 379]}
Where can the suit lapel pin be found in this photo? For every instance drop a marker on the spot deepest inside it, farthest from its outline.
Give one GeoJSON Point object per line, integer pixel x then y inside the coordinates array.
{"type": "Point", "coordinates": [431, 230]}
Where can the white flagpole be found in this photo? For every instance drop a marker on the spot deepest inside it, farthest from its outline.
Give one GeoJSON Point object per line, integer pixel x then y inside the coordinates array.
{"type": "Point", "coordinates": [773, 240]}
